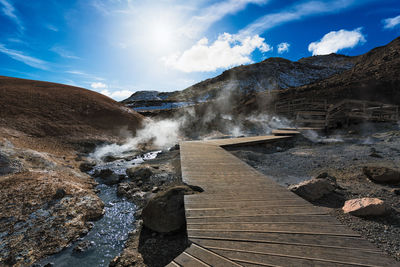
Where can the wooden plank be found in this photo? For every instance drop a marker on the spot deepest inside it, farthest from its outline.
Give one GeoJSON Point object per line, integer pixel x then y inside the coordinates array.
{"type": "Point", "coordinates": [185, 259]}
{"type": "Point", "coordinates": [284, 132]}
{"type": "Point", "coordinates": [227, 196]}
{"type": "Point", "coordinates": [240, 204]}
{"type": "Point", "coordinates": [311, 239]}
{"type": "Point", "coordinates": [247, 198]}
{"type": "Point", "coordinates": [267, 218]}
{"type": "Point", "coordinates": [172, 264]}
{"type": "Point", "coordinates": [328, 254]}
{"type": "Point", "coordinates": [263, 205]}
{"type": "Point", "coordinates": [302, 129]}
{"type": "Point", "coordinates": [275, 227]}
{"type": "Point", "coordinates": [252, 259]}
{"type": "Point", "coordinates": [259, 210]}
{"type": "Point", "coordinates": [210, 257]}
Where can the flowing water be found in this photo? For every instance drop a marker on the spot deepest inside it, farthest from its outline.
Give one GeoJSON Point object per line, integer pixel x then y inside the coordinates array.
{"type": "Point", "coordinates": [108, 235]}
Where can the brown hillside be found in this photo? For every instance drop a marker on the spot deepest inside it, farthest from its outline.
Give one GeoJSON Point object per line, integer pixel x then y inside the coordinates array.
{"type": "Point", "coordinates": [48, 109]}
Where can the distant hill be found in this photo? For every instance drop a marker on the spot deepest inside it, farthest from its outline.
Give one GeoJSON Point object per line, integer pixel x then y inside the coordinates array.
{"type": "Point", "coordinates": [50, 109]}
{"type": "Point", "coordinates": [147, 96]}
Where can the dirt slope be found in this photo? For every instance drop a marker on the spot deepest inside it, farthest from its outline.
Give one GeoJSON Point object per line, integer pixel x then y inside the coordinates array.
{"type": "Point", "coordinates": [48, 109]}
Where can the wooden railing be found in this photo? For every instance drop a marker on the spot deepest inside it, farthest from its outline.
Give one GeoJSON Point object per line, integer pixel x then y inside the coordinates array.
{"type": "Point", "coordinates": [349, 109]}
{"type": "Point", "coordinates": [301, 104]}
{"type": "Point", "coordinates": [319, 113]}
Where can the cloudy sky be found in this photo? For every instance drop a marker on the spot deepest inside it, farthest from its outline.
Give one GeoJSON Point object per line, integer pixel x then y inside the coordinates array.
{"type": "Point", "coordinates": [117, 47]}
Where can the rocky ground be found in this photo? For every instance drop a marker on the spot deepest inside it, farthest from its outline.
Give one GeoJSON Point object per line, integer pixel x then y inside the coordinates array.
{"type": "Point", "coordinates": [46, 201]}
{"type": "Point", "coordinates": [49, 200]}
{"type": "Point", "coordinates": [343, 156]}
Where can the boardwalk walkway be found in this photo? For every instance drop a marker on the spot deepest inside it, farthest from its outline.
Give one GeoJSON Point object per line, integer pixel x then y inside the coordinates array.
{"type": "Point", "coordinates": [243, 218]}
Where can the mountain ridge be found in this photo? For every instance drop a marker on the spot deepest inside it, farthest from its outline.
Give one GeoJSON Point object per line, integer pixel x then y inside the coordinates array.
{"type": "Point", "coordinates": [270, 74]}
{"type": "Point", "coordinates": [375, 76]}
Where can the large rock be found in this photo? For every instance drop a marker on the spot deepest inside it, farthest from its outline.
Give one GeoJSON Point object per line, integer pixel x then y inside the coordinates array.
{"type": "Point", "coordinates": [365, 207]}
{"type": "Point", "coordinates": [108, 177]}
{"type": "Point", "coordinates": [87, 166]}
{"type": "Point", "coordinates": [8, 166]}
{"type": "Point", "coordinates": [83, 246]}
{"type": "Point", "coordinates": [165, 211]}
{"type": "Point", "coordinates": [127, 189]}
{"type": "Point", "coordinates": [139, 173]}
{"type": "Point", "coordinates": [313, 189]}
{"type": "Point", "coordinates": [382, 174]}
{"type": "Point", "coordinates": [110, 158]}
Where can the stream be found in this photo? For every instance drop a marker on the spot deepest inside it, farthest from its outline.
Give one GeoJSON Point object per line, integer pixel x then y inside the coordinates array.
{"type": "Point", "coordinates": [108, 235]}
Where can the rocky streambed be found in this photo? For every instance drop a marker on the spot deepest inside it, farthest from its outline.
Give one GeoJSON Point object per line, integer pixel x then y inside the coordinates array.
{"type": "Point", "coordinates": [107, 236]}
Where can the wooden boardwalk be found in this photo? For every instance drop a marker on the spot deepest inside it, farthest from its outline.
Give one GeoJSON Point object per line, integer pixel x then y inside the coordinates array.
{"type": "Point", "coordinates": [243, 218]}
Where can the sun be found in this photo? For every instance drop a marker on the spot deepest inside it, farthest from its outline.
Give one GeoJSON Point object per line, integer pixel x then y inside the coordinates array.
{"type": "Point", "coordinates": [161, 35]}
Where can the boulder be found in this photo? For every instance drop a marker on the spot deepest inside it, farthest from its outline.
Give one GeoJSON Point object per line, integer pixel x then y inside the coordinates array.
{"type": "Point", "coordinates": [382, 174]}
{"type": "Point", "coordinates": [175, 147]}
{"type": "Point", "coordinates": [129, 257]}
{"type": "Point", "coordinates": [60, 193]}
{"type": "Point", "coordinates": [140, 199]}
{"type": "Point", "coordinates": [165, 211]}
{"type": "Point", "coordinates": [109, 158]}
{"type": "Point", "coordinates": [108, 177]}
{"type": "Point", "coordinates": [83, 246]}
{"type": "Point", "coordinates": [395, 191]}
{"type": "Point", "coordinates": [314, 188]}
{"type": "Point", "coordinates": [8, 166]}
{"type": "Point", "coordinates": [375, 155]}
{"type": "Point", "coordinates": [139, 173]}
{"type": "Point", "coordinates": [365, 207]}
{"type": "Point", "coordinates": [87, 166]}
{"type": "Point", "coordinates": [127, 189]}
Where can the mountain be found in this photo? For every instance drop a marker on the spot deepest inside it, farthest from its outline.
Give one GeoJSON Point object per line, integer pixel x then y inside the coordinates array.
{"type": "Point", "coordinates": [44, 109]}
{"type": "Point", "coordinates": [270, 74]}
{"type": "Point", "coordinates": [375, 76]}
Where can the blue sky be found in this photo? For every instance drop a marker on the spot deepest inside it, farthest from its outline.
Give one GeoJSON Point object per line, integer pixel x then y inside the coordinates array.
{"type": "Point", "coordinates": [117, 47]}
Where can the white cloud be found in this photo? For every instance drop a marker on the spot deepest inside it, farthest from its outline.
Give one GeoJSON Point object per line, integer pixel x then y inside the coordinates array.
{"type": "Point", "coordinates": [20, 56]}
{"type": "Point", "coordinates": [84, 74]}
{"type": "Point", "coordinates": [52, 28]}
{"type": "Point", "coordinates": [295, 12]}
{"type": "Point", "coordinates": [283, 48]}
{"type": "Point", "coordinates": [227, 51]}
{"type": "Point", "coordinates": [337, 40]}
{"type": "Point", "coordinates": [390, 23]}
{"type": "Point", "coordinates": [98, 85]}
{"type": "Point", "coordinates": [63, 53]}
{"type": "Point", "coordinates": [9, 11]}
{"type": "Point", "coordinates": [213, 13]}
{"type": "Point", "coordinates": [117, 95]}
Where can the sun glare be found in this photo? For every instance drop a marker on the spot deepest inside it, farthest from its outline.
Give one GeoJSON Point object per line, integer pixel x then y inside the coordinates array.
{"type": "Point", "coordinates": [161, 36]}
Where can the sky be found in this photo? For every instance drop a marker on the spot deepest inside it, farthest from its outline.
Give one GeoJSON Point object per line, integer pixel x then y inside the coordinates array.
{"type": "Point", "coordinates": [118, 47]}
